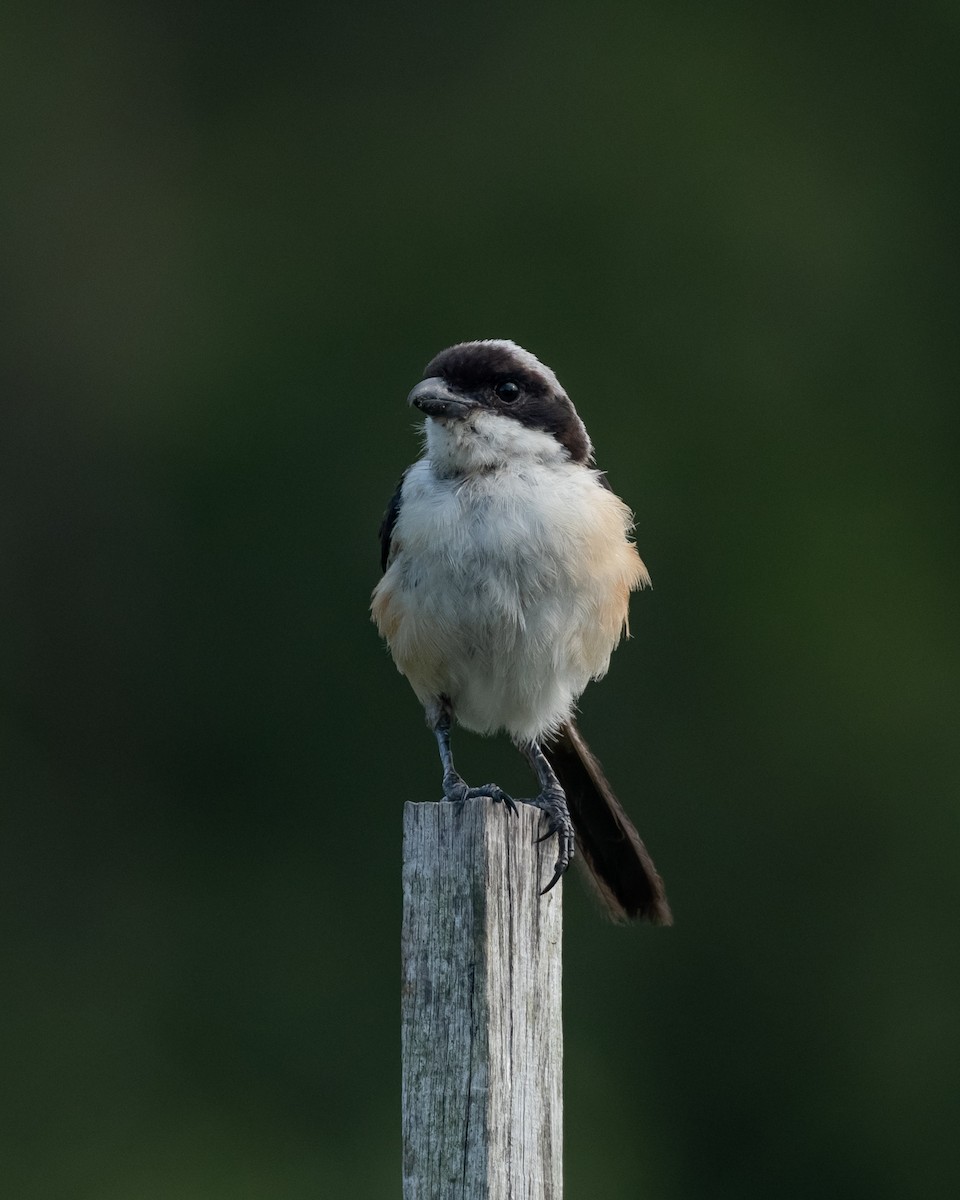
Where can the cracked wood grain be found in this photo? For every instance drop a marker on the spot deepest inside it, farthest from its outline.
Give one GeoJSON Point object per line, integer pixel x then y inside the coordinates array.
{"type": "Point", "coordinates": [480, 1014]}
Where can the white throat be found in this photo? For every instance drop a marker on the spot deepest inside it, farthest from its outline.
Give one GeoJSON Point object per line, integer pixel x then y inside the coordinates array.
{"type": "Point", "coordinates": [484, 441]}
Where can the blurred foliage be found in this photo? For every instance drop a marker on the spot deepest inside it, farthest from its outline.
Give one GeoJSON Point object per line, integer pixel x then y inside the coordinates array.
{"type": "Point", "coordinates": [232, 239]}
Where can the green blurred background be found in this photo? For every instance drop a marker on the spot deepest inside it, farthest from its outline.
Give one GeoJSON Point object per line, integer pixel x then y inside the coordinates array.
{"type": "Point", "coordinates": [232, 239]}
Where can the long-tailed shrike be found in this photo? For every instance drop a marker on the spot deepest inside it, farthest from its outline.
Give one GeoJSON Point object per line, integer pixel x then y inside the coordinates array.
{"type": "Point", "coordinates": [508, 568]}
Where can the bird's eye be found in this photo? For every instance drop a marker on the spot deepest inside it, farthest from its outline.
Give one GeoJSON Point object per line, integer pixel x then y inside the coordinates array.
{"type": "Point", "coordinates": [508, 391]}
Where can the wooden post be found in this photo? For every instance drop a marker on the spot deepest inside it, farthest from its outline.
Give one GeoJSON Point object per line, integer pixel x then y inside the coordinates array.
{"type": "Point", "coordinates": [481, 1028]}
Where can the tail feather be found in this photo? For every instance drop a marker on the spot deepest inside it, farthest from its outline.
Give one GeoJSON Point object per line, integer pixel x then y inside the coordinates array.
{"type": "Point", "coordinates": [607, 843]}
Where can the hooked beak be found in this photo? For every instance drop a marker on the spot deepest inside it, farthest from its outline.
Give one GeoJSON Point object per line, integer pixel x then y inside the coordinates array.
{"type": "Point", "coordinates": [436, 398]}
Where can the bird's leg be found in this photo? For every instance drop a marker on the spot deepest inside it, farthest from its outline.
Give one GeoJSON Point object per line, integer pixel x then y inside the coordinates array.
{"type": "Point", "coordinates": [553, 802]}
{"type": "Point", "coordinates": [439, 718]}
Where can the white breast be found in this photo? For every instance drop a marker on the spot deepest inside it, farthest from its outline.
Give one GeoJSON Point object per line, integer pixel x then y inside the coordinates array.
{"type": "Point", "coordinates": [507, 590]}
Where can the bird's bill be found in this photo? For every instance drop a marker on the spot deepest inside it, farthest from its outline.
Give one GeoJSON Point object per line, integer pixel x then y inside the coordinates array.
{"type": "Point", "coordinates": [435, 398]}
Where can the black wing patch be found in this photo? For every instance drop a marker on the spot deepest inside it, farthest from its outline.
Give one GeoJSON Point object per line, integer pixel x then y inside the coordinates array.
{"type": "Point", "coordinates": [388, 522]}
{"type": "Point", "coordinates": [604, 481]}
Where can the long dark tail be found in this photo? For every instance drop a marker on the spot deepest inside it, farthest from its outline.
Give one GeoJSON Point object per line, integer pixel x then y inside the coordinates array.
{"type": "Point", "coordinates": [607, 843]}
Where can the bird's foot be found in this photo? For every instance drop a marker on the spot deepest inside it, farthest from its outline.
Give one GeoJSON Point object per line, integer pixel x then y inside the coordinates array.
{"type": "Point", "coordinates": [454, 789]}
{"type": "Point", "coordinates": [553, 804]}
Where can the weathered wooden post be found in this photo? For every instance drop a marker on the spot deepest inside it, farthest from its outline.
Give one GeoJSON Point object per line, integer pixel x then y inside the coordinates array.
{"type": "Point", "coordinates": [481, 1026]}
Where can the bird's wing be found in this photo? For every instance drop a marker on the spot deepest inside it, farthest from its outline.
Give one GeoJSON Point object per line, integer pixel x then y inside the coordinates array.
{"type": "Point", "coordinates": [388, 522]}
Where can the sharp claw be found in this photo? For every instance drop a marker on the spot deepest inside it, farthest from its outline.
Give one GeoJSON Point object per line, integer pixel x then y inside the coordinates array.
{"type": "Point", "coordinates": [499, 796]}
{"type": "Point", "coordinates": [488, 791]}
{"type": "Point", "coordinates": [554, 881]}
{"type": "Point", "coordinates": [567, 851]}
{"type": "Point", "coordinates": [558, 820]}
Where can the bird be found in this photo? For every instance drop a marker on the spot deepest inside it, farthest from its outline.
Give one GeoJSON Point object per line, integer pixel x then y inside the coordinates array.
{"type": "Point", "coordinates": [507, 566]}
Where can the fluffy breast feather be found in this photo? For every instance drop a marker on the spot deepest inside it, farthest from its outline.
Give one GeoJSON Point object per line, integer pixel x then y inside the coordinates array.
{"type": "Point", "coordinates": [507, 590]}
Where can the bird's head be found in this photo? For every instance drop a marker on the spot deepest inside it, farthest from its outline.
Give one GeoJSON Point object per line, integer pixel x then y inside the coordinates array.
{"type": "Point", "coordinates": [492, 401]}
